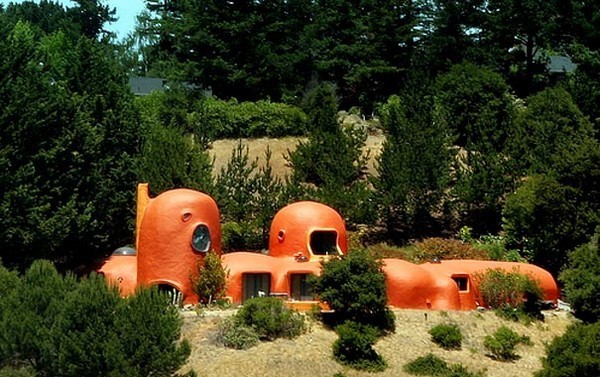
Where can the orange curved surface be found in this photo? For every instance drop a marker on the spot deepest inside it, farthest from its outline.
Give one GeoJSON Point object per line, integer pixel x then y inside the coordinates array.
{"type": "Point", "coordinates": [292, 226]}
{"type": "Point", "coordinates": [121, 271]}
{"type": "Point", "coordinates": [165, 252]}
{"type": "Point", "coordinates": [410, 286]}
{"type": "Point", "coordinates": [470, 298]}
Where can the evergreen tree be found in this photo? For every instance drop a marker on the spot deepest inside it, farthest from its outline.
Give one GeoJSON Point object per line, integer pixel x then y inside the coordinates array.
{"type": "Point", "coordinates": [413, 168]}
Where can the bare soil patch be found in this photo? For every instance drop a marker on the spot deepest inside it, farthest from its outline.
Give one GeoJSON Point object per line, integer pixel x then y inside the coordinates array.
{"type": "Point", "coordinates": [222, 149]}
{"type": "Point", "coordinates": [310, 355]}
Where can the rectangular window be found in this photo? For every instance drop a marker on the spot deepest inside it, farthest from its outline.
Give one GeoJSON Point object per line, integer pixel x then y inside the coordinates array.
{"type": "Point", "coordinates": [462, 282]}
{"type": "Point", "coordinates": [256, 285]}
{"type": "Point", "coordinates": [301, 290]}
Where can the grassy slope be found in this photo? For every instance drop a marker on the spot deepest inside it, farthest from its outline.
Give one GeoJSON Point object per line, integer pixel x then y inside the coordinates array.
{"type": "Point", "coordinates": [310, 354]}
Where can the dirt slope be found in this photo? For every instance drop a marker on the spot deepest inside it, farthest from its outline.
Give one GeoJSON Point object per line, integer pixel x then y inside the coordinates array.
{"type": "Point", "coordinates": [221, 150]}
{"type": "Point", "coordinates": [310, 354]}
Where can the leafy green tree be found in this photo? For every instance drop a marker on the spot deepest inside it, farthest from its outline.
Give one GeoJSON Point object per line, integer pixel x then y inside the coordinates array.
{"type": "Point", "coordinates": [582, 281]}
{"type": "Point", "coordinates": [354, 347]}
{"type": "Point", "coordinates": [414, 164]}
{"type": "Point", "coordinates": [68, 143]}
{"type": "Point", "coordinates": [548, 130]}
{"type": "Point", "coordinates": [354, 287]}
{"type": "Point", "coordinates": [475, 103]}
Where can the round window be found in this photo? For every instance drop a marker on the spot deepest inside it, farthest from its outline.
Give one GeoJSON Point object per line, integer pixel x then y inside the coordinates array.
{"type": "Point", "coordinates": [201, 239]}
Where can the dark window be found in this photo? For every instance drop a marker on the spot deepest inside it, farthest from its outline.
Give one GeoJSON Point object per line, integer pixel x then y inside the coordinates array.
{"type": "Point", "coordinates": [201, 239]}
{"type": "Point", "coordinates": [301, 290]}
{"type": "Point", "coordinates": [462, 282]}
{"type": "Point", "coordinates": [324, 242]}
{"type": "Point", "coordinates": [256, 285]}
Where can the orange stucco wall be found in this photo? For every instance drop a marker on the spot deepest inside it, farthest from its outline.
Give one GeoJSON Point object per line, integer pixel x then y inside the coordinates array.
{"type": "Point", "coordinates": [165, 253]}
{"type": "Point", "coordinates": [121, 271]}
{"type": "Point", "coordinates": [292, 225]}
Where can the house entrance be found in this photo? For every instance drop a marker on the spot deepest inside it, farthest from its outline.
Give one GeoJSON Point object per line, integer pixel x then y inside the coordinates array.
{"type": "Point", "coordinates": [301, 290]}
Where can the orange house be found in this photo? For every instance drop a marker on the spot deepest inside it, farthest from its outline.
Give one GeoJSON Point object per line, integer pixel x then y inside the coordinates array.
{"type": "Point", "coordinates": [173, 233]}
{"type": "Point", "coordinates": [178, 227]}
{"type": "Point", "coordinates": [301, 235]}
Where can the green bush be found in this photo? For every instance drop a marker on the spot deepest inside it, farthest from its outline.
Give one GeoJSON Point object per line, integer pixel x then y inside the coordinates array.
{"type": "Point", "coordinates": [447, 336]}
{"type": "Point", "coordinates": [514, 293]}
{"type": "Point", "coordinates": [354, 287]}
{"type": "Point", "coordinates": [576, 353]}
{"type": "Point", "coordinates": [431, 365]}
{"type": "Point", "coordinates": [582, 281]}
{"type": "Point", "coordinates": [270, 319]}
{"type": "Point", "coordinates": [503, 342]}
{"type": "Point", "coordinates": [210, 282]}
{"type": "Point", "coordinates": [59, 326]}
{"type": "Point", "coordinates": [232, 334]}
{"type": "Point", "coordinates": [446, 248]}
{"type": "Point", "coordinates": [354, 347]}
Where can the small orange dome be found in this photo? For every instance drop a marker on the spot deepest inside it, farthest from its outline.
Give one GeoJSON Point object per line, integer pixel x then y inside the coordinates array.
{"type": "Point", "coordinates": [307, 229]}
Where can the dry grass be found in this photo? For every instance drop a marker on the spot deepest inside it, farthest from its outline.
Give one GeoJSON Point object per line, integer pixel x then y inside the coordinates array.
{"type": "Point", "coordinates": [221, 151]}
{"type": "Point", "coordinates": [310, 354]}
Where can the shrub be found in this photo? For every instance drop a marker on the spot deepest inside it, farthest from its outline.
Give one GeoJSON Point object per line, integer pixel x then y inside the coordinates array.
{"type": "Point", "coordinates": [502, 344]}
{"type": "Point", "coordinates": [508, 291]}
{"type": "Point", "coordinates": [57, 325]}
{"type": "Point", "coordinates": [270, 319]}
{"type": "Point", "coordinates": [446, 248]}
{"type": "Point", "coordinates": [447, 336]}
{"type": "Point", "coordinates": [354, 287]}
{"type": "Point", "coordinates": [576, 353]}
{"type": "Point", "coordinates": [211, 281]}
{"type": "Point", "coordinates": [431, 365]}
{"type": "Point", "coordinates": [232, 334]}
{"type": "Point", "coordinates": [354, 347]}
{"type": "Point", "coordinates": [582, 281]}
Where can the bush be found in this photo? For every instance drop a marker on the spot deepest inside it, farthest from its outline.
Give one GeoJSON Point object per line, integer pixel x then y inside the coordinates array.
{"type": "Point", "coordinates": [431, 365]}
{"type": "Point", "coordinates": [211, 281]}
{"type": "Point", "coordinates": [446, 248]}
{"type": "Point", "coordinates": [576, 353]}
{"type": "Point", "coordinates": [447, 336]}
{"type": "Point", "coordinates": [354, 287]}
{"type": "Point", "coordinates": [232, 334]}
{"type": "Point", "coordinates": [512, 292]}
{"type": "Point", "coordinates": [354, 347]}
{"type": "Point", "coordinates": [502, 344]}
{"type": "Point", "coordinates": [270, 319]}
{"type": "Point", "coordinates": [582, 281]}
{"type": "Point", "coordinates": [57, 325]}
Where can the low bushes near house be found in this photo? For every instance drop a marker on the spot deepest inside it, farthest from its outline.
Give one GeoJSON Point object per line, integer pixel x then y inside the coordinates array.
{"type": "Point", "coordinates": [431, 365]}
{"type": "Point", "coordinates": [447, 336]}
{"type": "Point", "coordinates": [514, 295]}
{"type": "Point", "coordinates": [446, 248]}
{"type": "Point", "coordinates": [503, 342]}
{"type": "Point", "coordinates": [354, 347]}
{"type": "Point", "coordinates": [261, 318]}
{"type": "Point", "coordinates": [211, 279]}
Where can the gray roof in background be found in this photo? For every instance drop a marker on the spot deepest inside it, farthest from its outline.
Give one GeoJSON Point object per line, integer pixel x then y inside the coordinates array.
{"type": "Point", "coordinates": [560, 64]}
{"type": "Point", "coordinates": [142, 86]}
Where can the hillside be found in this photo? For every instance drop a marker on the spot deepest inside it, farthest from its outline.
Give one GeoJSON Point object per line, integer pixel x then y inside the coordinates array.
{"type": "Point", "coordinates": [310, 354]}
{"type": "Point", "coordinates": [221, 151]}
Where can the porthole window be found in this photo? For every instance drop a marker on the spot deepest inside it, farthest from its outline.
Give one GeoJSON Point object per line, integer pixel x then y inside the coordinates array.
{"type": "Point", "coordinates": [201, 239]}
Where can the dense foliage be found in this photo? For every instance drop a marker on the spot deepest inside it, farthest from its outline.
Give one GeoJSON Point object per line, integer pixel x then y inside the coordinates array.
{"type": "Point", "coordinates": [575, 353]}
{"type": "Point", "coordinates": [211, 279]}
{"type": "Point", "coordinates": [503, 342]}
{"type": "Point", "coordinates": [582, 281]}
{"type": "Point", "coordinates": [354, 287]}
{"type": "Point", "coordinates": [61, 326]}
{"type": "Point", "coordinates": [431, 365]}
{"type": "Point", "coordinates": [354, 347]}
